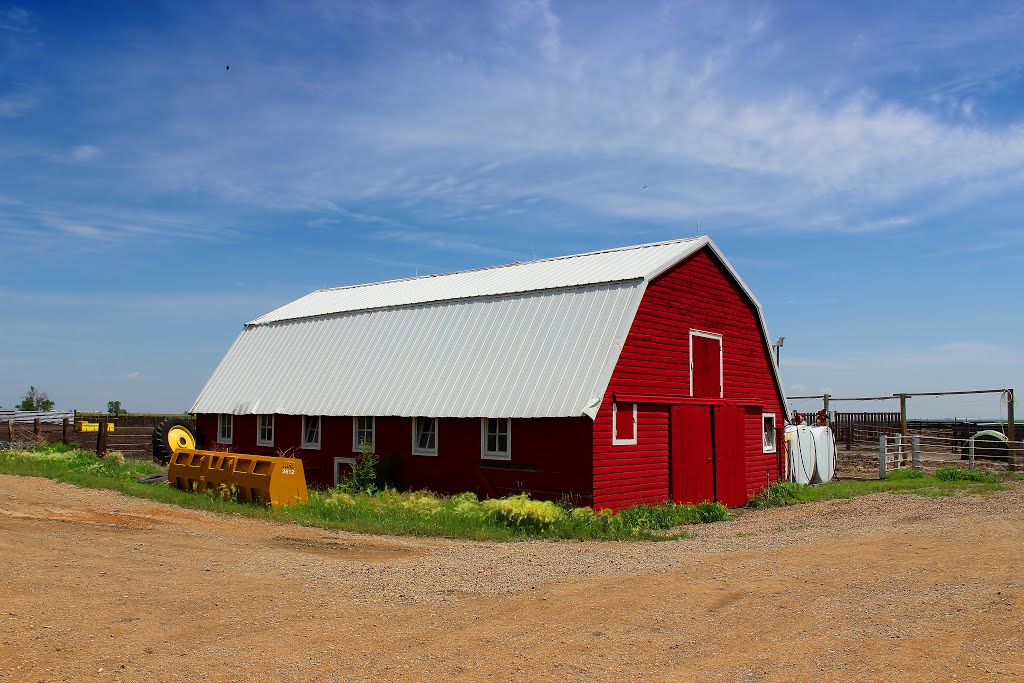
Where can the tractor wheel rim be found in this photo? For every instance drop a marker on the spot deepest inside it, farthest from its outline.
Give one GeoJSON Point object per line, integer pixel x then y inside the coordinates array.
{"type": "Point", "coordinates": [179, 437]}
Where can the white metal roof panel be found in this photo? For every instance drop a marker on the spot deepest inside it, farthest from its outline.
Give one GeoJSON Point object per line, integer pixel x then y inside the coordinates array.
{"type": "Point", "coordinates": [613, 265]}
{"type": "Point", "coordinates": [544, 353]}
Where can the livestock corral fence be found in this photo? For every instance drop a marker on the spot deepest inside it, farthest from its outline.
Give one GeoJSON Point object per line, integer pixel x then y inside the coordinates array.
{"type": "Point", "coordinates": [871, 444]}
{"type": "Point", "coordinates": [129, 434]}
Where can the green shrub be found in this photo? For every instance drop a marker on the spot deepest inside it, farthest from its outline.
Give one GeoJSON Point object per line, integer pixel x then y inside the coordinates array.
{"type": "Point", "coordinates": [896, 475]}
{"type": "Point", "coordinates": [712, 512]}
{"type": "Point", "coordinates": [363, 478]}
{"type": "Point", "coordinates": [115, 458]}
{"type": "Point", "coordinates": [954, 473]}
{"type": "Point", "coordinates": [778, 494]}
{"type": "Point", "coordinates": [519, 512]}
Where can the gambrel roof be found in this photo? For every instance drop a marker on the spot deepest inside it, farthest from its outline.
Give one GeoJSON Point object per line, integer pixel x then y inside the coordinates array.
{"type": "Point", "coordinates": [535, 339]}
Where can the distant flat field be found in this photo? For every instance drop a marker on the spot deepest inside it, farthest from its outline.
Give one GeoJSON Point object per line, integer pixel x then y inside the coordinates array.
{"type": "Point", "coordinates": [98, 586]}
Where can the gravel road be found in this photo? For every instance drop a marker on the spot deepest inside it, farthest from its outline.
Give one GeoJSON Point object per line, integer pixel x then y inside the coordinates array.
{"type": "Point", "coordinates": [99, 586]}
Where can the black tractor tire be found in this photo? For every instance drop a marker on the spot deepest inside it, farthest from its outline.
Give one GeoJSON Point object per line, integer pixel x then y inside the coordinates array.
{"type": "Point", "coordinates": [171, 435]}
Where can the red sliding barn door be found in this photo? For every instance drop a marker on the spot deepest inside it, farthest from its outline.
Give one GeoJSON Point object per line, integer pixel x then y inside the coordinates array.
{"type": "Point", "coordinates": [692, 467]}
{"type": "Point", "coordinates": [708, 460]}
{"type": "Point", "coordinates": [730, 458]}
{"type": "Point", "coordinates": [706, 366]}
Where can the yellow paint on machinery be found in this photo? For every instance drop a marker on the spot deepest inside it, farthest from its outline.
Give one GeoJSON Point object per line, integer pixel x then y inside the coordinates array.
{"type": "Point", "coordinates": [95, 426]}
{"type": "Point", "coordinates": [256, 478]}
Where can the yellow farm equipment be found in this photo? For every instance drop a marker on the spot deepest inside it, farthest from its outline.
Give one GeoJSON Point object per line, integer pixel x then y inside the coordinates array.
{"type": "Point", "coordinates": [262, 479]}
{"type": "Point", "coordinates": [94, 426]}
{"type": "Point", "coordinates": [259, 479]}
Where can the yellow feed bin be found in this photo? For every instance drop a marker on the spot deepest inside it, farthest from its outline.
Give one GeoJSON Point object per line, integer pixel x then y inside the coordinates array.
{"type": "Point", "coordinates": [259, 479]}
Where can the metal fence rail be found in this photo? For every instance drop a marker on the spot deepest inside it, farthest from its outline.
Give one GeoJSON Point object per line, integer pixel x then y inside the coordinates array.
{"type": "Point", "coordinates": [19, 417]}
{"type": "Point", "coordinates": [919, 451]}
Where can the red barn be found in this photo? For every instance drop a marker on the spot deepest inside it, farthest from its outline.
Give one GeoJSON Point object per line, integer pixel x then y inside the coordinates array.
{"type": "Point", "coordinates": [632, 375]}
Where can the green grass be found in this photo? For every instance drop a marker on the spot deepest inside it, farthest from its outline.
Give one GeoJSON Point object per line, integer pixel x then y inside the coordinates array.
{"type": "Point", "coordinates": [945, 482]}
{"type": "Point", "coordinates": [384, 512]}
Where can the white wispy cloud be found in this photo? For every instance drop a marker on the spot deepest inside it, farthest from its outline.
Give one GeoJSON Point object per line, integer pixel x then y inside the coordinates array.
{"type": "Point", "coordinates": [17, 104]}
{"type": "Point", "coordinates": [85, 152]}
{"type": "Point", "coordinates": [671, 121]}
{"type": "Point", "coordinates": [17, 19]}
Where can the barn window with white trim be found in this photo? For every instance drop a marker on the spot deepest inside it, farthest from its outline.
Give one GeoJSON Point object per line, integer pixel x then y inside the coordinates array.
{"type": "Point", "coordinates": [311, 431]}
{"type": "Point", "coordinates": [265, 431]}
{"type": "Point", "coordinates": [623, 424]}
{"type": "Point", "coordinates": [497, 438]}
{"type": "Point", "coordinates": [226, 428]}
{"type": "Point", "coordinates": [424, 436]}
{"type": "Point", "coordinates": [363, 429]}
{"type": "Point", "coordinates": [768, 430]}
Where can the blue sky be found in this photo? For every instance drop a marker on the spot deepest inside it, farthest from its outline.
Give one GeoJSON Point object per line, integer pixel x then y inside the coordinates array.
{"type": "Point", "coordinates": [861, 166]}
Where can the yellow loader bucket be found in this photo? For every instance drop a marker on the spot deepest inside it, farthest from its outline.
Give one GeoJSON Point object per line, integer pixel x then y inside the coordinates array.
{"type": "Point", "coordinates": [259, 479]}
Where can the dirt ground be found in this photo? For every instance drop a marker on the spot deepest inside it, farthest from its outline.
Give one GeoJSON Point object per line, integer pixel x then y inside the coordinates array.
{"type": "Point", "coordinates": [98, 586]}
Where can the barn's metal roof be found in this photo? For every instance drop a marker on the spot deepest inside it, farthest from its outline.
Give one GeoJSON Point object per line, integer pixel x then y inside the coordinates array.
{"type": "Point", "coordinates": [539, 354]}
{"type": "Point", "coordinates": [613, 265]}
{"type": "Point", "coordinates": [536, 339]}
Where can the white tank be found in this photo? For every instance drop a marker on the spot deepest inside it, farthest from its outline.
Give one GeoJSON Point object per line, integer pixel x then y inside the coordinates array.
{"type": "Point", "coordinates": [825, 454]}
{"type": "Point", "coordinates": [800, 453]}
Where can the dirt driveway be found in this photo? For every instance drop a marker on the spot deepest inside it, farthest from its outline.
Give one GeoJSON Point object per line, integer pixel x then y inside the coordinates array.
{"type": "Point", "coordinates": [98, 586]}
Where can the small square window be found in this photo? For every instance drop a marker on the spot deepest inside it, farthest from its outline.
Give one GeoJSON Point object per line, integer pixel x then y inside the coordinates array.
{"type": "Point", "coordinates": [623, 424]}
{"type": "Point", "coordinates": [768, 431]}
{"type": "Point", "coordinates": [496, 437]}
{"type": "Point", "coordinates": [363, 429]}
{"type": "Point", "coordinates": [342, 468]}
{"type": "Point", "coordinates": [225, 428]}
{"type": "Point", "coordinates": [424, 435]}
{"type": "Point", "coordinates": [265, 430]}
{"type": "Point", "coordinates": [311, 432]}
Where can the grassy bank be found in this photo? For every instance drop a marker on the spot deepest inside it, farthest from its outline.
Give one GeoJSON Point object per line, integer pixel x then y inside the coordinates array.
{"type": "Point", "coordinates": [463, 516]}
{"type": "Point", "coordinates": [383, 512]}
{"type": "Point", "coordinates": [947, 481]}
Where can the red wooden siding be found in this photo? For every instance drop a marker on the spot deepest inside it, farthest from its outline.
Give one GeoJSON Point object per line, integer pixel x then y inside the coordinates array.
{"type": "Point", "coordinates": [550, 456]}
{"type": "Point", "coordinates": [697, 294]}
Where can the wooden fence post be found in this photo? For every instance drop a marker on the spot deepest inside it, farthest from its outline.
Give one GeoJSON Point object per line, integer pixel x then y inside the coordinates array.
{"type": "Point", "coordinates": [64, 432]}
{"type": "Point", "coordinates": [101, 439]}
{"type": "Point", "coordinates": [37, 427]}
{"type": "Point", "coordinates": [10, 430]}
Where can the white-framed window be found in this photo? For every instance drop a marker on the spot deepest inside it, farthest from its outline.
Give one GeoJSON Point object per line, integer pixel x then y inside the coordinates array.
{"type": "Point", "coordinates": [623, 424]}
{"type": "Point", "coordinates": [265, 430]}
{"type": "Point", "coordinates": [339, 465]}
{"type": "Point", "coordinates": [768, 430]}
{"type": "Point", "coordinates": [363, 429]}
{"type": "Point", "coordinates": [721, 359]}
{"type": "Point", "coordinates": [424, 435]}
{"type": "Point", "coordinates": [225, 428]}
{"type": "Point", "coordinates": [311, 432]}
{"type": "Point", "coordinates": [496, 438]}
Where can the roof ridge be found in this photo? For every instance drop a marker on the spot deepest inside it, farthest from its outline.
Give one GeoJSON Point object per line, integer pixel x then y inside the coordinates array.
{"type": "Point", "coordinates": [507, 265]}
